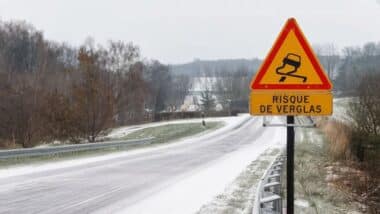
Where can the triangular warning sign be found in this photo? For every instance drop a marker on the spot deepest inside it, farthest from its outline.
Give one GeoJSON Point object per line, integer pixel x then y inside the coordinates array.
{"type": "Point", "coordinates": [291, 64]}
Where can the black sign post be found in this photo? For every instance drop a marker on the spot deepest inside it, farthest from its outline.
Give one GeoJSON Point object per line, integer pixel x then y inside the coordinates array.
{"type": "Point", "coordinates": [290, 165]}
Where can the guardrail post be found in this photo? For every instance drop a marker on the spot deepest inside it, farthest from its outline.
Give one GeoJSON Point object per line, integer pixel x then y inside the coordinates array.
{"type": "Point", "coordinates": [269, 198]}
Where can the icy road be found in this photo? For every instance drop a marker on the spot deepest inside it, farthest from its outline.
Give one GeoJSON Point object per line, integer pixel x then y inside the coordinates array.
{"type": "Point", "coordinates": [175, 178]}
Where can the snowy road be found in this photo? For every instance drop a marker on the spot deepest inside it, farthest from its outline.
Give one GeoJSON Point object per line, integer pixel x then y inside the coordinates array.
{"type": "Point", "coordinates": [173, 178]}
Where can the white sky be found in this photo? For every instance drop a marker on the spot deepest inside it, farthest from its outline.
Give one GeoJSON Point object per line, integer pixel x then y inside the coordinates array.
{"type": "Point", "coordinates": [176, 31]}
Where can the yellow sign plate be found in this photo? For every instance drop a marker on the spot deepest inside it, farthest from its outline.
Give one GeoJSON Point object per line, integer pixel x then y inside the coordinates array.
{"type": "Point", "coordinates": [309, 103]}
{"type": "Point", "coordinates": [291, 64]}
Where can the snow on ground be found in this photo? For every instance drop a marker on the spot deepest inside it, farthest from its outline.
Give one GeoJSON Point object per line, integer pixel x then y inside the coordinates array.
{"type": "Point", "coordinates": [238, 196]}
{"type": "Point", "coordinates": [199, 188]}
{"type": "Point", "coordinates": [340, 112]}
{"type": "Point", "coordinates": [230, 124]}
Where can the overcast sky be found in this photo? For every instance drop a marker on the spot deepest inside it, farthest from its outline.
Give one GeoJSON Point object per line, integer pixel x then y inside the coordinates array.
{"type": "Point", "coordinates": [176, 31]}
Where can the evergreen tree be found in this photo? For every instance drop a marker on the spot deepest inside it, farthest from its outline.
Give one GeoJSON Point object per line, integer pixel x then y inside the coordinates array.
{"type": "Point", "coordinates": [208, 101]}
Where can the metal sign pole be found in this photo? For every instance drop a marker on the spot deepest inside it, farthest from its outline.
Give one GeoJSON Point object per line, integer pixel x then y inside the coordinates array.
{"type": "Point", "coordinates": [290, 165]}
{"type": "Point", "coordinates": [273, 94]}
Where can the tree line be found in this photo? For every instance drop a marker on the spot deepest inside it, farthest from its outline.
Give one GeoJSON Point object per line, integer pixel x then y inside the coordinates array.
{"type": "Point", "coordinates": [53, 91]}
{"type": "Point", "coordinates": [346, 67]}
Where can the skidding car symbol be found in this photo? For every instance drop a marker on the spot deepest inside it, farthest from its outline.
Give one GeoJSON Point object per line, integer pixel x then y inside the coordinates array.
{"type": "Point", "coordinates": [294, 62]}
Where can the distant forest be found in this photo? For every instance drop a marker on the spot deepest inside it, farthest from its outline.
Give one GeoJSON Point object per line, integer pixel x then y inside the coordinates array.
{"type": "Point", "coordinates": [344, 66]}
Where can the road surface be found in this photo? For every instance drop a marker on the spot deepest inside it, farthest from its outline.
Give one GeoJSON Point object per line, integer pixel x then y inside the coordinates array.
{"type": "Point", "coordinates": [105, 186]}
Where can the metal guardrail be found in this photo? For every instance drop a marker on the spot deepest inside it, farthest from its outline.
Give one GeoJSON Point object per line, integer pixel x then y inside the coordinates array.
{"type": "Point", "coordinates": [268, 194]}
{"type": "Point", "coordinates": [30, 152]}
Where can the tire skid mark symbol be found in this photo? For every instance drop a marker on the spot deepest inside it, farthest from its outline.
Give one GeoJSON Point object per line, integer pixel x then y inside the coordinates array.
{"type": "Point", "coordinates": [293, 61]}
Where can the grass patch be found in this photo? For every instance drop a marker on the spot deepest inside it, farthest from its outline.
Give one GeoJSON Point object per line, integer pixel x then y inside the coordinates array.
{"type": "Point", "coordinates": [60, 156]}
{"type": "Point", "coordinates": [311, 161]}
{"type": "Point", "coordinates": [170, 132]}
{"type": "Point", "coordinates": [338, 135]}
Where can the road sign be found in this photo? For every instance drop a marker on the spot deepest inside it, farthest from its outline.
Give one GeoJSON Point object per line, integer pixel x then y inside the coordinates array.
{"type": "Point", "coordinates": [291, 82]}
{"type": "Point", "coordinates": [291, 71]}
{"type": "Point", "coordinates": [291, 103]}
{"type": "Point", "coordinates": [291, 64]}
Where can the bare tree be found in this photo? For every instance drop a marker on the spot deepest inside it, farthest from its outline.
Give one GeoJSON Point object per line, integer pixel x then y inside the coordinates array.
{"type": "Point", "coordinates": [232, 86]}
{"type": "Point", "coordinates": [118, 58]}
{"type": "Point", "coordinates": [159, 80]}
{"type": "Point", "coordinates": [365, 112]}
{"type": "Point", "coordinates": [178, 90]}
{"type": "Point", "coordinates": [93, 96]}
{"type": "Point", "coordinates": [137, 93]}
{"type": "Point", "coordinates": [329, 57]}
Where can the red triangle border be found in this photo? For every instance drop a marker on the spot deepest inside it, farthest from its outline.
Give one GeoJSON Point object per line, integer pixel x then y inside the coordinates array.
{"type": "Point", "coordinates": [290, 25]}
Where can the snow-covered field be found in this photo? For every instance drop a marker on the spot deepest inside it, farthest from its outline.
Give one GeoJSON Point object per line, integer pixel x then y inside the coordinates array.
{"type": "Point", "coordinates": [124, 131]}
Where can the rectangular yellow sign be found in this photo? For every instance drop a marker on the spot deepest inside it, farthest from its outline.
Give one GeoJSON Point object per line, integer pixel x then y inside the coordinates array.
{"type": "Point", "coordinates": [310, 103]}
